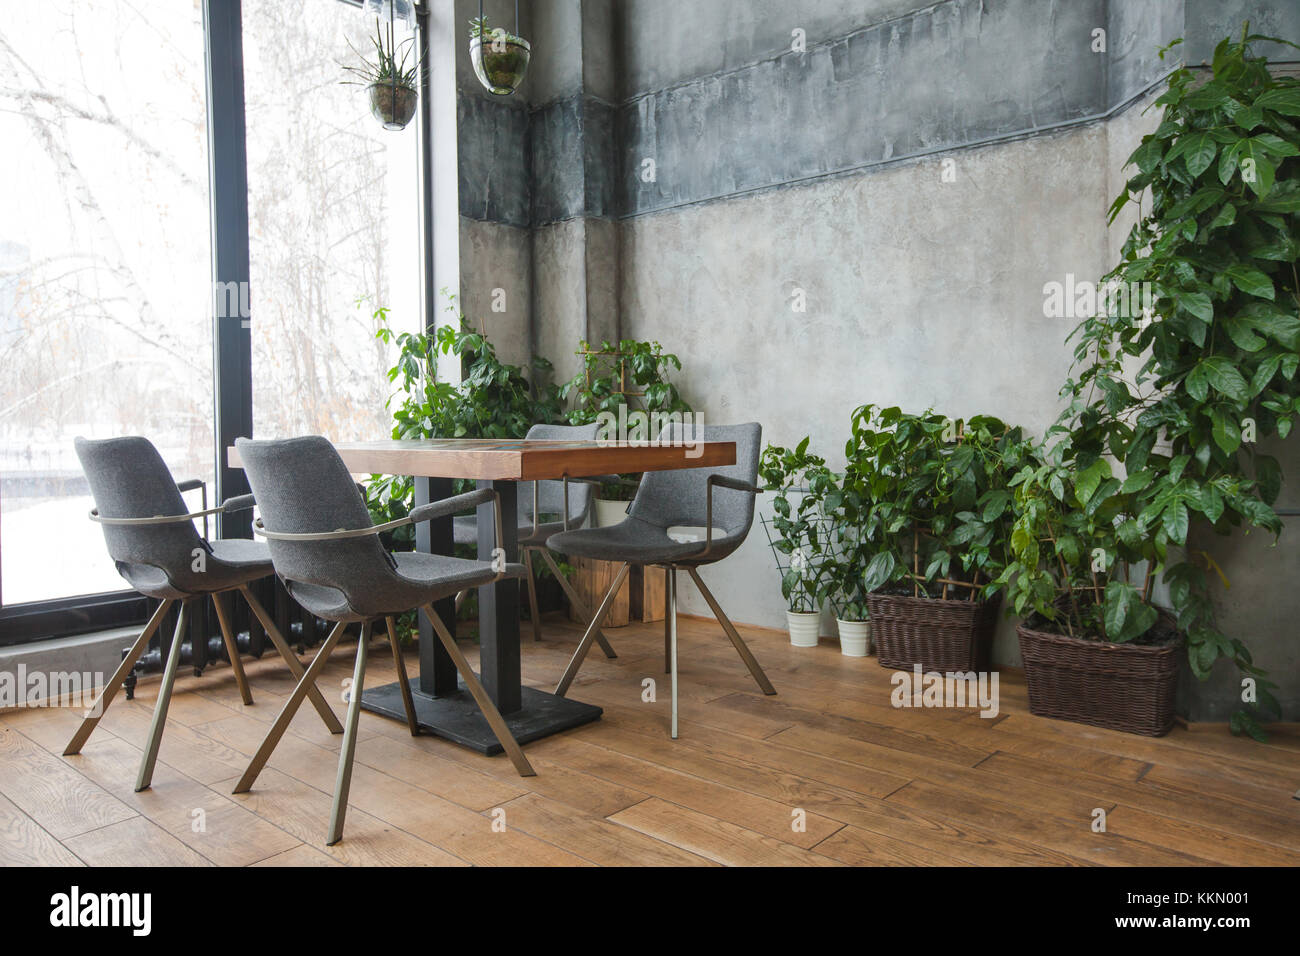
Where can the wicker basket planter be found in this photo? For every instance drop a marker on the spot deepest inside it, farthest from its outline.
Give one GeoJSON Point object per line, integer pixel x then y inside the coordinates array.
{"type": "Point", "coordinates": [940, 635]}
{"type": "Point", "coordinates": [1124, 687]}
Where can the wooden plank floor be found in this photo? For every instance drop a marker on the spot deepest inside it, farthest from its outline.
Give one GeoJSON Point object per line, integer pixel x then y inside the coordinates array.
{"type": "Point", "coordinates": [826, 773]}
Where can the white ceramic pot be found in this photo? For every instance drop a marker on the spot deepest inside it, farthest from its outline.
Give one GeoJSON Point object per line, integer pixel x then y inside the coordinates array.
{"type": "Point", "coordinates": [803, 627]}
{"type": "Point", "coordinates": [855, 637]}
{"type": "Point", "coordinates": [610, 513]}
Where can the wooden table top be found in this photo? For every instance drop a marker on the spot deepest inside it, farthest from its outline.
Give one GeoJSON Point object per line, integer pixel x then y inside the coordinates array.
{"type": "Point", "coordinates": [522, 459]}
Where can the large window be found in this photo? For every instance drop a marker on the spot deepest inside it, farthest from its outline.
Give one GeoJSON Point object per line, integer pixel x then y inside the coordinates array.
{"type": "Point", "coordinates": [333, 224]}
{"type": "Point", "coordinates": [104, 268]}
{"type": "Point", "coordinates": [106, 264]}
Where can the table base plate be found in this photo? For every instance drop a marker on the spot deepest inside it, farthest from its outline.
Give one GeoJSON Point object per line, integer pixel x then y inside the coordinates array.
{"type": "Point", "coordinates": [457, 717]}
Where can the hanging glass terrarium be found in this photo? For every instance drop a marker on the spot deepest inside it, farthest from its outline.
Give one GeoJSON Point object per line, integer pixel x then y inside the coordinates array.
{"type": "Point", "coordinates": [500, 58]}
{"type": "Point", "coordinates": [391, 76]}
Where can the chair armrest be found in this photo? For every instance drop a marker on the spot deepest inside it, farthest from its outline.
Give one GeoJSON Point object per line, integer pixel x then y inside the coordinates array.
{"type": "Point", "coordinates": [191, 484]}
{"type": "Point", "coordinates": [435, 509]}
{"type": "Point", "coordinates": [155, 520]}
{"type": "Point", "coordinates": [449, 506]}
{"type": "Point", "coordinates": [733, 484]}
{"type": "Point", "coordinates": [238, 503]}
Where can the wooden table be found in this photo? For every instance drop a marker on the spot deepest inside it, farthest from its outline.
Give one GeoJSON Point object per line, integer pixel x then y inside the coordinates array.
{"type": "Point", "coordinates": [442, 704]}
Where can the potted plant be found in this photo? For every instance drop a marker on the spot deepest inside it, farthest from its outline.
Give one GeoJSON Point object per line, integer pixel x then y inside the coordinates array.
{"type": "Point", "coordinates": [390, 81]}
{"type": "Point", "coordinates": [848, 596]}
{"type": "Point", "coordinates": [799, 535]}
{"type": "Point", "coordinates": [849, 600]}
{"type": "Point", "coordinates": [628, 384]}
{"type": "Point", "coordinates": [1096, 649]}
{"type": "Point", "coordinates": [936, 525]}
{"type": "Point", "coordinates": [500, 58]}
{"type": "Point", "coordinates": [1216, 355]}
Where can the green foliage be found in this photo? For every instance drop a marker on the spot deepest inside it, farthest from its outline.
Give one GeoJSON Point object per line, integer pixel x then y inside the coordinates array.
{"type": "Point", "coordinates": [1180, 398]}
{"type": "Point", "coordinates": [926, 500]}
{"type": "Point", "coordinates": [632, 373]}
{"type": "Point", "coordinates": [494, 400]}
{"type": "Point", "coordinates": [386, 67]}
{"type": "Point", "coordinates": [803, 543]}
{"type": "Point", "coordinates": [481, 28]}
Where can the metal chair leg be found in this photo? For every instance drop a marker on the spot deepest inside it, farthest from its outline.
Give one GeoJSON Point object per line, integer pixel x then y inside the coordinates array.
{"type": "Point", "coordinates": [109, 691]}
{"type": "Point", "coordinates": [232, 649]}
{"type": "Point", "coordinates": [343, 782]}
{"type": "Point", "coordinates": [403, 682]}
{"type": "Point", "coordinates": [489, 709]}
{"type": "Point", "coordinates": [305, 684]}
{"type": "Point", "coordinates": [145, 777]}
{"type": "Point", "coordinates": [671, 587]}
{"type": "Point", "coordinates": [593, 629]}
{"type": "Point", "coordinates": [668, 626]}
{"type": "Point", "coordinates": [578, 604]}
{"type": "Point", "coordinates": [291, 661]}
{"type": "Point", "coordinates": [741, 647]}
{"type": "Point", "coordinates": [532, 595]}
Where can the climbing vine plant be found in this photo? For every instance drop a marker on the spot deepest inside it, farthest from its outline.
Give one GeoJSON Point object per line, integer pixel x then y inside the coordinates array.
{"type": "Point", "coordinates": [1182, 392]}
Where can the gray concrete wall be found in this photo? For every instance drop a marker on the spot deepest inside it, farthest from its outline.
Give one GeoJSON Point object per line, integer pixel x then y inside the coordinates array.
{"type": "Point", "coordinates": [823, 170]}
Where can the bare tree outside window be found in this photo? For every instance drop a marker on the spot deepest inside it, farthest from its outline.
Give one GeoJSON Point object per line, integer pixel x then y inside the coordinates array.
{"type": "Point", "coordinates": [106, 300]}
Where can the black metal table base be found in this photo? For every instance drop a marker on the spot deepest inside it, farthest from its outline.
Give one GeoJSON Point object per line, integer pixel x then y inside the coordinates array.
{"type": "Point", "coordinates": [457, 717]}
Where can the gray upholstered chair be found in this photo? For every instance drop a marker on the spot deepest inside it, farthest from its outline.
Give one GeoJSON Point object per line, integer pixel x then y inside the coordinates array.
{"type": "Point", "coordinates": [156, 548]}
{"type": "Point", "coordinates": [537, 501]}
{"type": "Point", "coordinates": [659, 531]}
{"type": "Point", "coordinates": [327, 551]}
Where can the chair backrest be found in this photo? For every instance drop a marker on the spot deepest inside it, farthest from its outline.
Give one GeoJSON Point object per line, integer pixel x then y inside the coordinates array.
{"type": "Point", "coordinates": [680, 498]}
{"type": "Point", "coordinates": [550, 494]}
{"type": "Point", "coordinates": [303, 487]}
{"type": "Point", "coordinates": [128, 479]}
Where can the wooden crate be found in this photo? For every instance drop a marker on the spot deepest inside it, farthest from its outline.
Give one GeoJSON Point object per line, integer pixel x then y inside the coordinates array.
{"type": "Point", "coordinates": [640, 598]}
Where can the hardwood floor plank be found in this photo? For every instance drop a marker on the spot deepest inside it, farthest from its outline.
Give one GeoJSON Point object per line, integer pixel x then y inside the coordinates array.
{"type": "Point", "coordinates": [863, 848]}
{"type": "Point", "coordinates": [303, 811]}
{"type": "Point", "coordinates": [134, 842]}
{"type": "Point", "coordinates": [593, 838]}
{"type": "Point", "coordinates": [1226, 848]}
{"type": "Point", "coordinates": [1260, 823]}
{"type": "Point", "coordinates": [301, 855]}
{"type": "Point", "coordinates": [453, 828]}
{"type": "Point", "coordinates": [753, 812]}
{"type": "Point", "coordinates": [207, 822]}
{"type": "Point", "coordinates": [24, 842]}
{"type": "Point", "coordinates": [712, 838]}
{"type": "Point", "coordinates": [1073, 837]}
{"type": "Point", "coordinates": [53, 794]}
{"type": "Point", "coordinates": [906, 741]}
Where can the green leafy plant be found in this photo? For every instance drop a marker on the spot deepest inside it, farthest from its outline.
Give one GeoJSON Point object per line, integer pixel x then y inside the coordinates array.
{"type": "Point", "coordinates": [800, 533]}
{"type": "Point", "coordinates": [928, 499]}
{"type": "Point", "coordinates": [493, 400]}
{"type": "Point", "coordinates": [1180, 393]}
{"type": "Point", "coordinates": [632, 374]}
{"type": "Point", "coordinates": [392, 62]}
{"type": "Point", "coordinates": [618, 381]}
{"type": "Point", "coordinates": [481, 28]}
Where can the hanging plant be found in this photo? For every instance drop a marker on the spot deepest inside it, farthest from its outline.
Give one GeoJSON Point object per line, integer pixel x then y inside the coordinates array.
{"type": "Point", "coordinates": [500, 58]}
{"type": "Point", "coordinates": [390, 78]}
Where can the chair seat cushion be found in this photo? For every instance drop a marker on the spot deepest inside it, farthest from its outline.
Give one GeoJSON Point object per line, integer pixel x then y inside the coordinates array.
{"type": "Point", "coordinates": [465, 530]}
{"type": "Point", "coordinates": [242, 553]}
{"type": "Point", "coordinates": [446, 574]}
{"type": "Point", "coordinates": [422, 579]}
{"type": "Point", "coordinates": [233, 561]}
{"type": "Point", "coordinates": [638, 542]}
